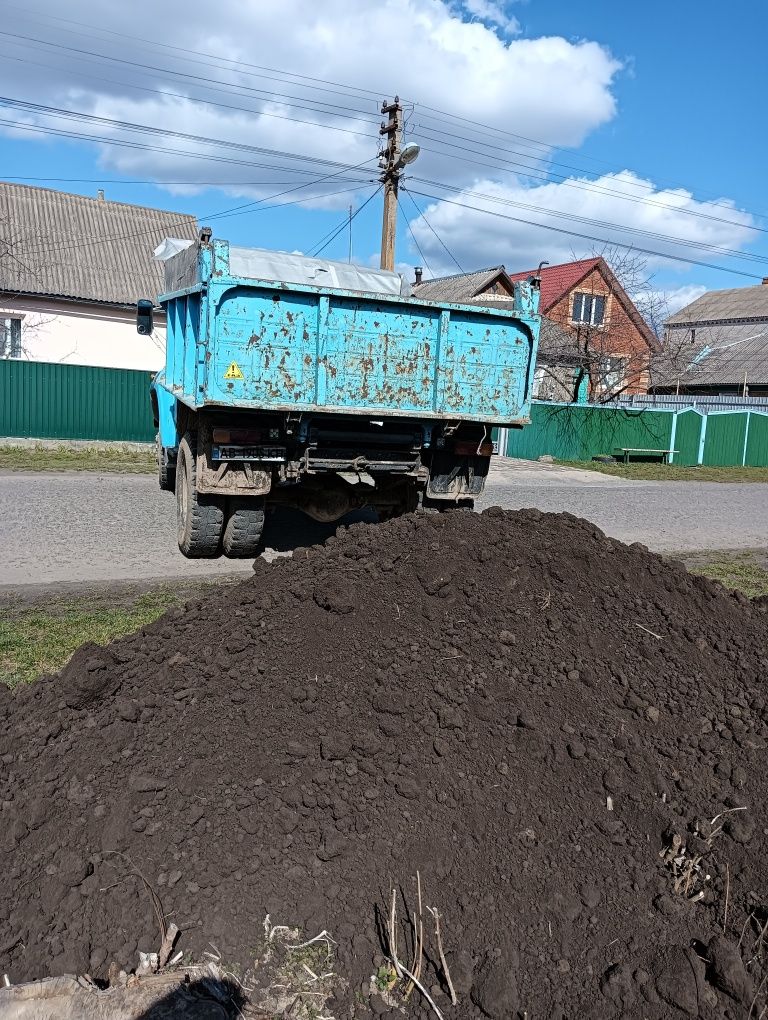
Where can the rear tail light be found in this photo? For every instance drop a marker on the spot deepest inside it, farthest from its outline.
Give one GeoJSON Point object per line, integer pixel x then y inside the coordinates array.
{"type": "Point", "coordinates": [468, 448]}
{"type": "Point", "coordinates": [236, 435]}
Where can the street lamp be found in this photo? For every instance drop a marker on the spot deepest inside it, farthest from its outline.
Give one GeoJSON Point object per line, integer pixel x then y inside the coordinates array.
{"type": "Point", "coordinates": [408, 154]}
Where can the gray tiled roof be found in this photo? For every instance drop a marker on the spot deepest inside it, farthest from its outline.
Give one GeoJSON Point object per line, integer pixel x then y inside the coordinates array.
{"type": "Point", "coordinates": [88, 249]}
{"type": "Point", "coordinates": [462, 287]}
{"type": "Point", "coordinates": [722, 305]}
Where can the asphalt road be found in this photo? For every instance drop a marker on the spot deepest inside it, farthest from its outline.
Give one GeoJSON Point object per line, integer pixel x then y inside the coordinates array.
{"type": "Point", "coordinates": [79, 527]}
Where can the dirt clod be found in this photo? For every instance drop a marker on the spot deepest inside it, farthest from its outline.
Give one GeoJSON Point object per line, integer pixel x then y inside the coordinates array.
{"type": "Point", "coordinates": [391, 703]}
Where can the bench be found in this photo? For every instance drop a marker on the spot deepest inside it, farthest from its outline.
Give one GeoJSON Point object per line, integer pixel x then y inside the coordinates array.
{"type": "Point", "coordinates": [627, 451]}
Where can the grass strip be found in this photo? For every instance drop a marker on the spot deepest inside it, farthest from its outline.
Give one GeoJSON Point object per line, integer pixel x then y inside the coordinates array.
{"type": "Point", "coordinates": [113, 458]}
{"type": "Point", "coordinates": [39, 636]}
{"type": "Point", "coordinates": [655, 472]}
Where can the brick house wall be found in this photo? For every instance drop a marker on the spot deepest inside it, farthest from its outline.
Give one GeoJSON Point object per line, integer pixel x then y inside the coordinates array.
{"type": "Point", "coordinates": [618, 336]}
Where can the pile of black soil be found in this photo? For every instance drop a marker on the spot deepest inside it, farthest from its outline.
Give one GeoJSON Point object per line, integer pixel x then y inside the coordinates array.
{"type": "Point", "coordinates": [564, 736]}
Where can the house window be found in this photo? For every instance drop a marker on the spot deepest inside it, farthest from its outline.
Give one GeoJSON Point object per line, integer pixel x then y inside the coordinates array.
{"type": "Point", "coordinates": [589, 308]}
{"type": "Point", "coordinates": [612, 373]}
{"type": "Point", "coordinates": [10, 338]}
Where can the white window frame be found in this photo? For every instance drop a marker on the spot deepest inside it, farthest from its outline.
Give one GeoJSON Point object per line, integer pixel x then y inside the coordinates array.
{"type": "Point", "coordinates": [582, 297]}
{"type": "Point", "coordinates": [10, 345]}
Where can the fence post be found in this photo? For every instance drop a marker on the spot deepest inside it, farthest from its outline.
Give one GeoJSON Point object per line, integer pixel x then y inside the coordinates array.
{"type": "Point", "coordinates": [672, 435]}
{"type": "Point", "coordinates": [702, 437]}
{"type": "Point", "coordinates": [746, 440]}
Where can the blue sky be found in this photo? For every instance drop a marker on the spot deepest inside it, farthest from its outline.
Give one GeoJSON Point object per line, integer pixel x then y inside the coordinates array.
{"type": "Point", "coordinates": [636, 125]}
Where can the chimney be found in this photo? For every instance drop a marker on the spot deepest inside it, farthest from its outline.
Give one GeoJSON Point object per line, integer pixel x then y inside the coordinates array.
{"type": "Point", "coordinates": [100, 195]}
{"type": "Point", "coordinates": [420, 272]}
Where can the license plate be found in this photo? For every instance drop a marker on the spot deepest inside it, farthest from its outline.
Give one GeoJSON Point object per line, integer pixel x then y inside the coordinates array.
{"type": "Point", "coordinates": [262, 453]}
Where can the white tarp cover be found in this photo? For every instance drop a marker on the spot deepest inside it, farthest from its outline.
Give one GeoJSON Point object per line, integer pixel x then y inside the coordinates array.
{"type": "Point", "coordinates": [169, 247]}
{"type": "Point", "coordinates": [262, 264]}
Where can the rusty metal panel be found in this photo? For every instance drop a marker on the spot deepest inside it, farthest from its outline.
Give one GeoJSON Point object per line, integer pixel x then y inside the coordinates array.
{"type": "Point", "coordinates": [381, 355]}
{"type": "Point", "coordinates": [265, 349]}
{"type": "Point", "coordinates": [484, 368]}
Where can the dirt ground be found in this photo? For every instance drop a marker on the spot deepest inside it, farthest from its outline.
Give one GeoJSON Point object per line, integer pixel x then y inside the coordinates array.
{"type": "Point", "coordinates": [560, 740]}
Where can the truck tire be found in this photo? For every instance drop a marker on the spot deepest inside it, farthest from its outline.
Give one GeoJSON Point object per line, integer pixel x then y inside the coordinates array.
{"type": "Point", "coordinates": [200, 518]}
{"type": "Point", "coordinates": [166, 468]}
{"type": "Point", "coordinates": [243, 530]}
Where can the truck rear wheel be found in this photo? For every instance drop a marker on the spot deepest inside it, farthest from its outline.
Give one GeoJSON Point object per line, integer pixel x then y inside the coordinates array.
{"type": "Point", "coordinates": [243, 530]}
{"type": "Point", "coordinates": [200, 518]}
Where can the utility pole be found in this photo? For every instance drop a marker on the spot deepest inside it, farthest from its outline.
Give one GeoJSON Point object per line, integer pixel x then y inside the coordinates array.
{"type": "Point", "coordinates": [390, 178]}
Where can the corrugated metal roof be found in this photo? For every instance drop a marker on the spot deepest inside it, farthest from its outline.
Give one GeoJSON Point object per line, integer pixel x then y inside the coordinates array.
{"type": "Point", "coordinates": [718, 355]}
{"type": "Point", "coordinates": [461, 287]}
{"type": "Point", "coordinates": [558, 280]}
{"type": "Point", "coordinates": [724, 305]}
{"type": "Point", "coordinates": [89, 249]}
{"type": "Point", "coordinates": [729, 367]}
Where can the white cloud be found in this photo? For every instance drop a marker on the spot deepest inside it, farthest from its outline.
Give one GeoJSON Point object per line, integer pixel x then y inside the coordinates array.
{"type": "Point", "coordinates": [679, 297]}
{"type": "Point", "coordinates": [454, 55]}
{"type": "Point", "coordinates": [494, 13]}
{"type": "Point", "coordinates": [509, 226]}
{"type": "Point", "coordinates": [424, 50]}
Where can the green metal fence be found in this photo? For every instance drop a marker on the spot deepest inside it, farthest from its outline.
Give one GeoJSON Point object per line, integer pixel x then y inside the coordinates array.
{"type": "Point", "coordinates": [39, 400]}
{"type": "Point", "coordinates": [581, 432]}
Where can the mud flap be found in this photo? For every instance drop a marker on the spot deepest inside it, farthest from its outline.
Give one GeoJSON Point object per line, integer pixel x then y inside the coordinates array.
{"type": "Point", "coordinates": [453, 477]}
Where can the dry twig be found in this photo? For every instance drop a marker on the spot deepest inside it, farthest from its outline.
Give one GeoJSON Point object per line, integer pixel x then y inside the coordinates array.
{"type": "Point", "coordinates": [757, 996]}
{"type": "Point", "coordinates": [418, 940]}
{"type": "Point", "coordinates": [728, 811]}
{"type": "Point", "coordinates": [651, 632]}
{"type": "Point", "coordinates": [443, 962]}
{"type": "Point", "coordinates": [422, 989]}
{"type": "Point", "coordinates": [744, 930]}
{"type": "Point", "coordinates": [157, 906]}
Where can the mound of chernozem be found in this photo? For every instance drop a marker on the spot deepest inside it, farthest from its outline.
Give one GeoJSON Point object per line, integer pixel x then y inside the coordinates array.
{"type": "Point", "coordinates": [524, 711]}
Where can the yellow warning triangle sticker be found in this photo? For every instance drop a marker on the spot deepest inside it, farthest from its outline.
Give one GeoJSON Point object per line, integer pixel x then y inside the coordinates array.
{"type": "Point", "coordinates": [233, 372]}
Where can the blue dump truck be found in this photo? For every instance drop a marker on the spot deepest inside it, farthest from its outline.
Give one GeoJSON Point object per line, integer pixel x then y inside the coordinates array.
{"type": "Point", "coordinates": [325, 387]}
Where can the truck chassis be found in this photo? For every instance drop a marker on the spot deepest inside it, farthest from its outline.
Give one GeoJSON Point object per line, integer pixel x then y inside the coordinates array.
{"type": "Point", "coordinates": [229, 469]}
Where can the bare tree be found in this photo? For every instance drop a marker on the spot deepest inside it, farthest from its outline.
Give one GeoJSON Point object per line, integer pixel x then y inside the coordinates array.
{"type": "Point", "coordinates": [607, 338]}
{"type": "Point", "coordinates": [20, 272]}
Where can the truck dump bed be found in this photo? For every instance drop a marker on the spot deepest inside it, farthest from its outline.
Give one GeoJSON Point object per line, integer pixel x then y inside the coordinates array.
{"type": "Point", "coordinates": [239, 341]}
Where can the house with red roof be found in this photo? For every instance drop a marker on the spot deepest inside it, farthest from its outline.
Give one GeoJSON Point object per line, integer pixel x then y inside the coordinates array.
{"type": "Point", "coordinates": [591, 331]}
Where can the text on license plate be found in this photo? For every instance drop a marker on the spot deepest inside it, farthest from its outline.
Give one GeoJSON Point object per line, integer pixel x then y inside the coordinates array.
{"type": "Point", "coordinates": [263, 453]}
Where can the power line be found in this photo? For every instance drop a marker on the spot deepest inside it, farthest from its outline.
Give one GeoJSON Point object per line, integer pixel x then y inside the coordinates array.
{"type": "Point", "coordinates": [267, 97]}
{"type": "Point", "coordinates": [561, 179]}
{"type": "Point", "coordinates": [93, 241]}
{"type": "Point", "coordinates": [315, 83]}
{"type": "Point", "coordinates": [703, 245]}
{"type": "Point", "coordinates": [166, 151]}
{"type": "Point", "coordinates": [347, 220]}
{"type": "Point", "coordinates": [541, 174]}
{"type": "Point", "coordinates": [206, 141]}
{"type": "Point", "coordinates": [204, 79]}
{"type": "Point", "coordinates": [123, 125]}
{"type": "Point", "coordinates": [425, 110]}
{"type": "Point", "coordinates": [157, 182]}
{"type": "Point", "coordinates": [478, 126]}
{"type": "Point", "coordinates": [413, 236]}
{"type": "Point", "coordinates": [589, 237]}
{"type": "Point", "coordinates": [440, 240]}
